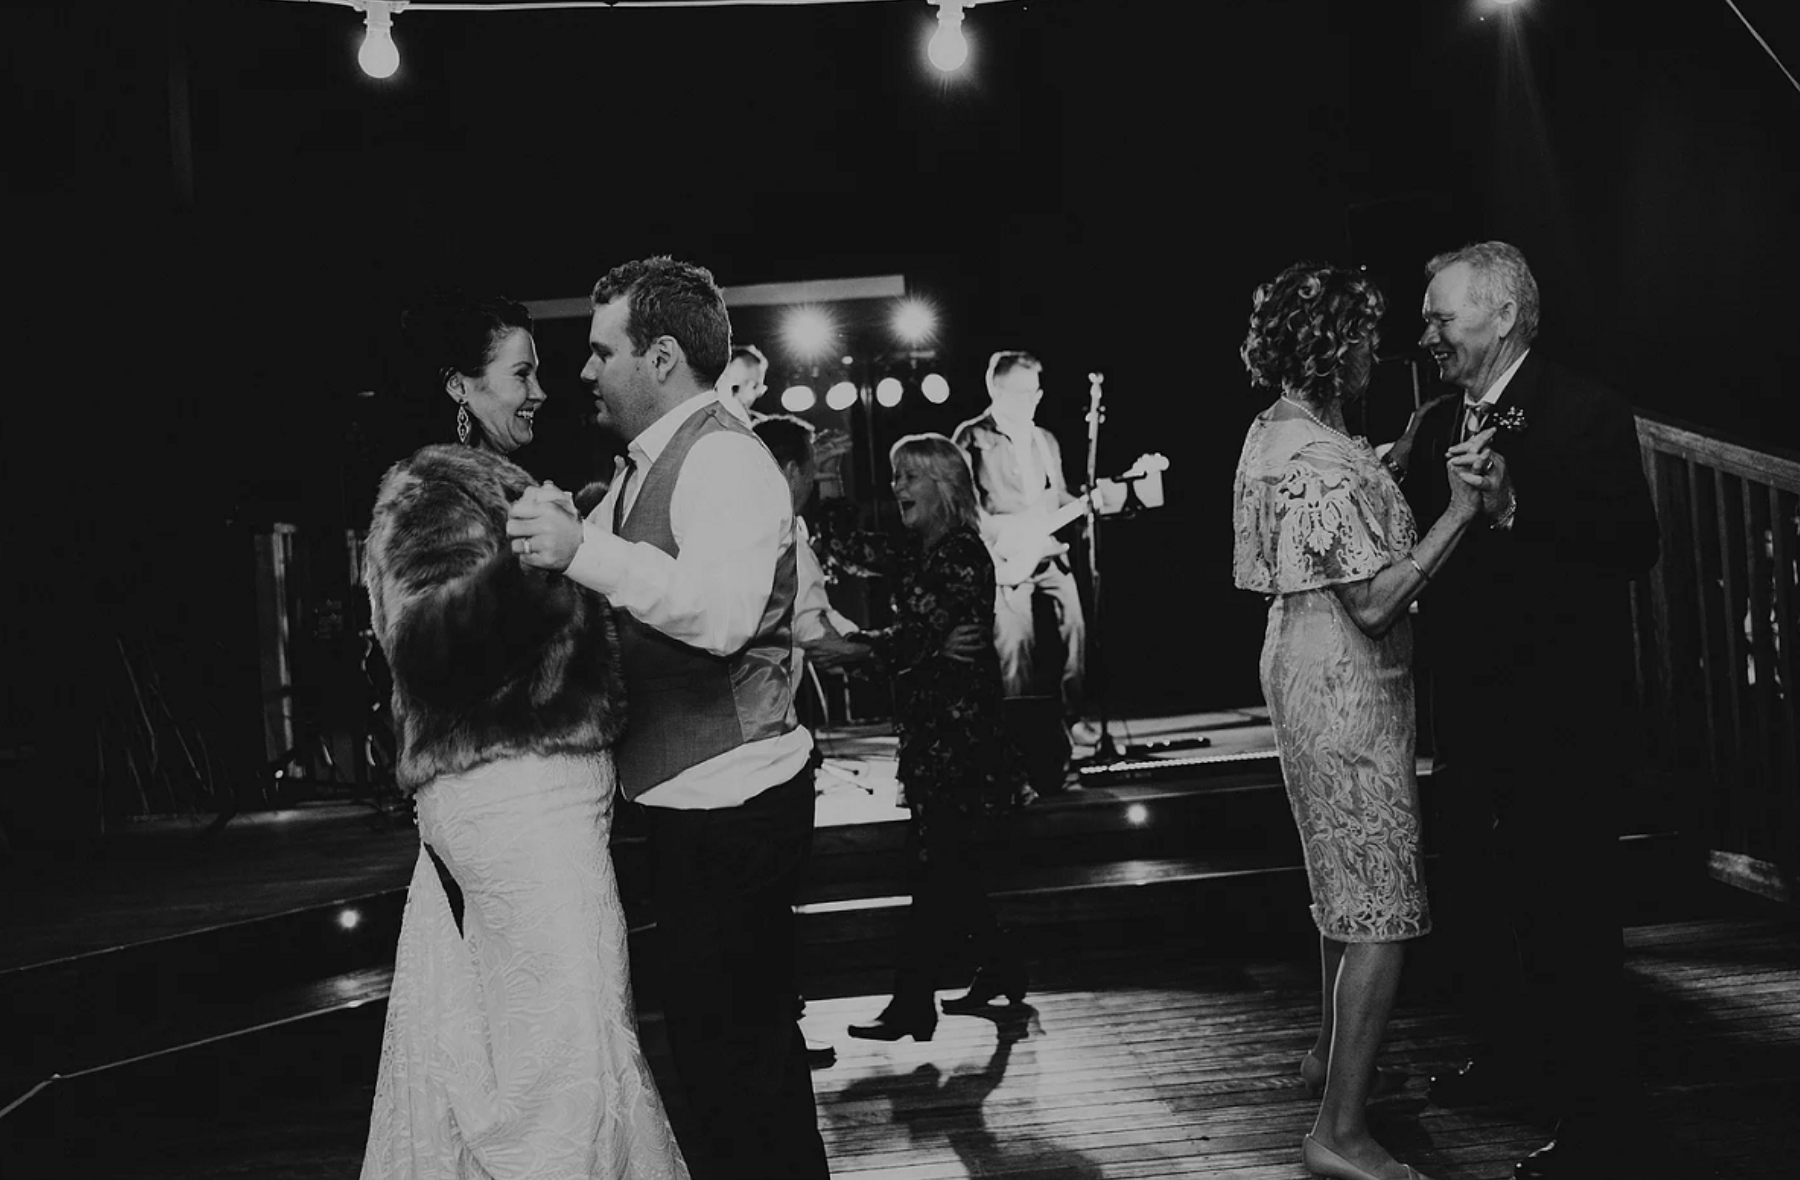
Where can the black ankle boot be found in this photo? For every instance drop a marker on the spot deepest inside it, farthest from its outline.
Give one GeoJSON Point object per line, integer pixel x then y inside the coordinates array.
{"type": "Point", "coordinates": [998, 979]}
{"type": "Point", "coordinates": [899, 1019]}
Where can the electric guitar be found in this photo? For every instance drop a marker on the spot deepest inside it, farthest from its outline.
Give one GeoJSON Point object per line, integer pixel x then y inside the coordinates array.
{"type": "Point", "coordinates": [1022, 541]}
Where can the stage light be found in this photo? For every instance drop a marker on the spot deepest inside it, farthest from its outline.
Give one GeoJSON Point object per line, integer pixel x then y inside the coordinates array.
{"type": "Point", "coordinates": [841, 396]}
{"type": "Point", "coordinates": [1137, 814]}
{"type": "Point", "coordinates": [889, 391]}
{"type": "Point", "coordinates": [349, 919]}
{"type": "Point", "coordinates": [379, 57]}
{"type": "Point", "coordinates": [948, 48]}
{"type": "Point", "coordinates": [935, 389]}
{"type": "Point", "coordinates": [808, 332]}
{"type": "Point", "coordinates": [797, 399]}
{"type": "Point", "coordinates": [914, 321]}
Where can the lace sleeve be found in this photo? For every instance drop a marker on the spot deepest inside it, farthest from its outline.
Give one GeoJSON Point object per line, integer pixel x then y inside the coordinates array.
{"type": "Point", "coordinates": [1315, 521]}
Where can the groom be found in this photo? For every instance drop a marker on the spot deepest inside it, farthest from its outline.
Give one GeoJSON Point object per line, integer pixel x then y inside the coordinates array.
{"type": "Point", "coordinates": [694, 546]}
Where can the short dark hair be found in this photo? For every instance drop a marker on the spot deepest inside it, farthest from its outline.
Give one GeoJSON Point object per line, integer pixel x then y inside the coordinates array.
{"type": "Point", "coordinates": [1302, 324]}
{"type": "Point", "coordinates": [1005, 361]}
{"type": "Point", "coordinates": [666, 297]}
{"type": "Point", "coordinates": [788, 438]}
{"type": "Point", "coordinates": [450, 332]}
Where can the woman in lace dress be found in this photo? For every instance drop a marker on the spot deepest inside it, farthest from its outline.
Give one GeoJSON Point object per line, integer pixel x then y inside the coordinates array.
{"type": "Point", "coordinates": [511, 1046]}
{"type": "Point", "coordinates": [1321, 528]}
{"type": "Point", "coordinates": [956, 766]}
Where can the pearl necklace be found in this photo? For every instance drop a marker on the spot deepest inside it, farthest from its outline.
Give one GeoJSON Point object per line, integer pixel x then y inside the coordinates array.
{"type": "Point", "coordinates": [1301, 406]}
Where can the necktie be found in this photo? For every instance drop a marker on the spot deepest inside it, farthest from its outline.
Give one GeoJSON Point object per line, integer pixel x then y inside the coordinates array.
{"type": "Point", "coordinates": [622, 477]}
{"type": "Point", "coordinates": [1475, 417]}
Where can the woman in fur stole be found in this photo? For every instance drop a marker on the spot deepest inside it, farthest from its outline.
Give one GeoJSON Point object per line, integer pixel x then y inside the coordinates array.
{"type": "Point", "coordinates": [511, 1046]}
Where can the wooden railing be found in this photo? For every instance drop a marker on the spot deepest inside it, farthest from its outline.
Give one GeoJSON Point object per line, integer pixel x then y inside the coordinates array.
{"type": "Point", "coordinates": [1717, 638]}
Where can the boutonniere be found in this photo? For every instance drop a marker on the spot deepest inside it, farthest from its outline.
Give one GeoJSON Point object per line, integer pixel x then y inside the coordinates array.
{"type": "Point", "coordinates": [1508, 423]}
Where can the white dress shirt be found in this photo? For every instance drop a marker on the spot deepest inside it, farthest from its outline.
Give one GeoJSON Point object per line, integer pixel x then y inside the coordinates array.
{"type": "Point", "coordinates": [1494, 391]}
{"type": "Point", "coordinates": [731, 513]}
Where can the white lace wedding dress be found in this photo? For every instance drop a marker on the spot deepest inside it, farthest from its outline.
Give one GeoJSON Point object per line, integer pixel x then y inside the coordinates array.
{"type": "Point", "coordinates": [511, 1049]}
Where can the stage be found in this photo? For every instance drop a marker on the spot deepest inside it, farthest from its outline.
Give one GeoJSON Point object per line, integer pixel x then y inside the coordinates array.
{"type": "Point", "coordinates": [210, 1005]}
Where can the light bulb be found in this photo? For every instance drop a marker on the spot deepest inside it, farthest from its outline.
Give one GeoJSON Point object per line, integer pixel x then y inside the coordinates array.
{"type": "Point", "coordinates": [948, 49]}
{"type": "Point", "coordinates": [841, 396]}
{"type": "Point", "coordinates": [888, 392]}
{"type": "Point", "coordinates": [797, 399]}
{"type": "Point", "coordinates": [935, 389]}
{"type": "Point", "coordinates": [379, 56]}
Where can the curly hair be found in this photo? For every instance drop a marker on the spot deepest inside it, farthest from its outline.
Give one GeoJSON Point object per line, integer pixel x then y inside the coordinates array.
{"type": "Point", "coordinates": [1302, 324]}
{"type": "Point", "coordinates": [452, 332]}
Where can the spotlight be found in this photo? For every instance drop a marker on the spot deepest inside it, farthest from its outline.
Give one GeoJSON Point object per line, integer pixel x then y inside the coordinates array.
{"type": "Point", "coordinates": [1137, 814]}
{"type": "Point", "coordinates": [797, 399]}
{"type": "Point", "coordinates": [948, 48]}
{"type": "Point", "coordinates": [841, 396]}
{"type": "Point", "coordinates": [935, 389]}
{"type": "Point", "coordinates": [808, 332]}
{"type": "Point", "coordinates": [349, 919]}
{"type": "Point", "coordinates": [889, 391]}
{"type": "Point", "coordinates": [914, 321]}
{"type": "Point", "coordinates": [379, 57]}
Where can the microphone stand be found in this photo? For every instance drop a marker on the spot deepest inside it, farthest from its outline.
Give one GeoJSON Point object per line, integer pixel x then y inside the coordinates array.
{"type": "Point", "coordinates": [1104, 750]}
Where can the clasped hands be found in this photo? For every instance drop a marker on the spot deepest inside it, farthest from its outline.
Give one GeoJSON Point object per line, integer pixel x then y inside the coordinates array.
{"type": "Point", "coordinates": [545, 528]}
{"type": "Point", "coordinates": [832, 650]}
{"type": "Point", "coordinates": [1483, 470]}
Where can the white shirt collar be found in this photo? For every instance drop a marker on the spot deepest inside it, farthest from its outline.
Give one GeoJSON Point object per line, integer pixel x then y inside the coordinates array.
{"type": "Point", "coordinates": [1500, 383]}
{"type": "Point", "coordinates": [647, 446]}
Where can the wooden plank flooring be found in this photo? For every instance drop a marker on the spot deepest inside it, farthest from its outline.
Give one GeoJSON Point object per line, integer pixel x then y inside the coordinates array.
{"type": "Point", "coordinates": [1182, 1072]}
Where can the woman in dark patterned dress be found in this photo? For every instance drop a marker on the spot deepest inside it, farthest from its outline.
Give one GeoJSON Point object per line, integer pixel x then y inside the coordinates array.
{"type": "Point", "coordinates": [956, 768]}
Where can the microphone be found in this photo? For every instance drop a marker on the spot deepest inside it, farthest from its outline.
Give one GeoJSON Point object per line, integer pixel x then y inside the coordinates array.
{"type": "Point", "coordinates": [1405, 356]}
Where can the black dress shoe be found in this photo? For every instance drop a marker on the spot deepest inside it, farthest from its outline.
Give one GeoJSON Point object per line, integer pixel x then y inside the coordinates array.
{"type": "Point", "coordinates": [1477, 1083]}
{"type": "Point", "coordinates": [820, 1056]}
{"type": "Point", "coordinates": [918, 1021]}
{"type": "Point", "coordinates": [1007, 979]}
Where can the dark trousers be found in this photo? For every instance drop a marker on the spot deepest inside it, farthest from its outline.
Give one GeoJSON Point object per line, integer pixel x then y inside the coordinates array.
{"type": "Point", "coordinates": [725, 886]}
{"type": "Point", "coordinates": [949, 903]}
{"type": "Point", "coordinates": [1529, 904]}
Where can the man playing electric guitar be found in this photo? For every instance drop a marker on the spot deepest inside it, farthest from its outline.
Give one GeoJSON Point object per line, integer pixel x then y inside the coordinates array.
{"type": "Point", "coordinates": [1019, 481]}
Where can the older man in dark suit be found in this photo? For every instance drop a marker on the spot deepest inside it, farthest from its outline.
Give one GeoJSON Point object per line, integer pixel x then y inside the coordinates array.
{"type": "Point", "coordinates": [1528, 634]}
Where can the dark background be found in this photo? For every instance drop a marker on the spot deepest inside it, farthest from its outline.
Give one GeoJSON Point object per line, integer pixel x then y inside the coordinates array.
{"type": "Point", "coordinates": [214, 219]}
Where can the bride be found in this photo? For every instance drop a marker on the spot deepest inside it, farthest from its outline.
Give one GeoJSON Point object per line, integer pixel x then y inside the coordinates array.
{"type": "Point", "coordinates": [511, 1046]}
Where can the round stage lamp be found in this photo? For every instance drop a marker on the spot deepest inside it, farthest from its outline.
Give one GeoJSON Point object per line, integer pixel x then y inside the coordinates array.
{"type": "Point", "coordinates": [808, 332]}
{"type": "Point", "coordinates": [935, 389]}
{"type": "Point", "coordinates": [889, 392]}
{"type": "Point", "coordinates": [797, 399]}
{"type": "Point", "coordinates": [841, 396]}
{"type": "Point", "coordinates": [914, 321]}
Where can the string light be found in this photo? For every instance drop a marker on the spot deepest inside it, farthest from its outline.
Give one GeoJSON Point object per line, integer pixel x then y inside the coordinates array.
{"type": "Point", "coordinates": [935, 389]}
{"type": "Point", "coordinates": [379, 57]}
{"type": "Point", "coordinates": [797, 399]}
{"type": "Point", "coordinates": [889, 391]}
{"type": "Point", "coordinates": [841, 396]}
{"type": "Point", "coordinates": [948, 48]}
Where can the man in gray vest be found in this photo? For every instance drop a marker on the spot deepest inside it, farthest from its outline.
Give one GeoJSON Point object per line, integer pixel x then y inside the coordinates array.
{"type": "Point", "coordinates": [694, 546]}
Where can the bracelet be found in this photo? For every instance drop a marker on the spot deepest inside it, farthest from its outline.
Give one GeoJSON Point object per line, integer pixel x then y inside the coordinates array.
{"type": "Point", "coordinates": [1417, 566]}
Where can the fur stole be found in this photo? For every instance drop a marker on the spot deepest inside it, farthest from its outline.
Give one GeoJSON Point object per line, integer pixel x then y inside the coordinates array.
{"type": "Point", "coordinates": [490, 659]}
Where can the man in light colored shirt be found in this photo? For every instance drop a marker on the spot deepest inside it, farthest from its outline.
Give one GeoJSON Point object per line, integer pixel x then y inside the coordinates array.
{"type": "Point", "coordinates": [694, 545]}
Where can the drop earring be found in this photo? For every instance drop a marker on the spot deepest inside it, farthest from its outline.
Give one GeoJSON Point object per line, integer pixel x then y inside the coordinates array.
{"type": "Point", "coordinates": [462, 423]}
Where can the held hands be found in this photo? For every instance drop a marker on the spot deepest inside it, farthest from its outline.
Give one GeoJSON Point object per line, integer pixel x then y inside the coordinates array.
{"type": "Point", "coordinates": [832, 650]}
{"type": "Point", "coordinates": [1476, 469]}
{"type": "Point", "coordinates": [545, 528]}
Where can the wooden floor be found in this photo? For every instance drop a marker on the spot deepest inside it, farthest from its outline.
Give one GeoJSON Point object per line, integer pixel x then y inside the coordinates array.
{"type": "Point", "coordinates": [1190, 1070]}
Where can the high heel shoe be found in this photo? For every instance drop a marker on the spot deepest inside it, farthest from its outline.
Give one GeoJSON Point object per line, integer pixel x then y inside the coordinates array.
{"type": "Point", "coordinates": [1006, 979]}
{"type": "Point", "coordinates": [1322, 1161]}
{"type": "Point", "coordinates": [896, 1021]}
{"type": "Point", "coordinates": [1312, 1078]}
